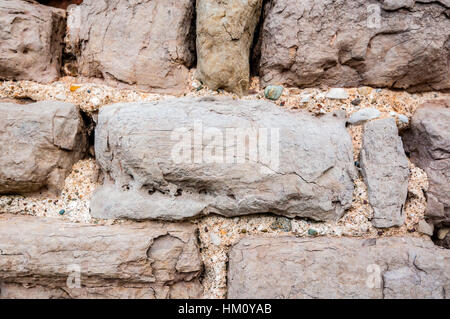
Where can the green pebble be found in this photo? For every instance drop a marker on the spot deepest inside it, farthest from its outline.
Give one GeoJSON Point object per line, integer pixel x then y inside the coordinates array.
{"type": "Point", "coordinates": [62, 211]}
{"type": "Point", "coordinates": [312, 232]}
{"type": "Point", "coordinates": [273, 92]}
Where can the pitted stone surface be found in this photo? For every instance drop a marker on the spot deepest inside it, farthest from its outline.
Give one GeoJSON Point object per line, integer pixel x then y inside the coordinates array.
{"type": "Point", "coordinates": [395, 44]}
{"type": "Point", "coordinates": [307, 170]}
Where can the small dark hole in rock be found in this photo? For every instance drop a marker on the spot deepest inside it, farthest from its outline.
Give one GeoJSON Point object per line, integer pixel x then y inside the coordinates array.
{"type": "Point", "coordinates": [61, 4]}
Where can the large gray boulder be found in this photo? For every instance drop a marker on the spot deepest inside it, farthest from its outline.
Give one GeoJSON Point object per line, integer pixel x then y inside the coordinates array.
{"type": "Point", "coordinates": [290, 267]}
{"type": "Point", "coordinates": [428, 144]}
{"type": "Point", "coordinates": [385, 170]}
{"type": "Point", "coordinates": [181, 158]}
{"type": "Point", "coordinates": [31, 37]}
{"type": "Point", "coordinates": [225, 31]}
{"type": "Point", "coordinates": [148, 44]}
{"type": "Point", "coordinates": [47, 258]}
{"type": "Point", "coordinates": [39, 143]}
{"type": "Point", "coordinates": [395, 44]}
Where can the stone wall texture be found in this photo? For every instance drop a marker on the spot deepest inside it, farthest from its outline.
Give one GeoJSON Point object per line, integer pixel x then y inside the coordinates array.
{"type": "Point", "coordinates": [225, 32]}
{"type": "Point", "coordinates": [396, 44]}
{"type": "Point", "coordinates": [307, 173]}
{"type": "Point", "coordinates": [31, 37]}
{"type": "Point", "coordinates": [156, 149]}
{"type": "Point", "coordinates": [338, 268]}
{"type": "Point", "coordinates": [146, 44]}
{"type": "Point", "coordinates": [428, 143]}
{"type": "Point", "coordinates": [145, 260]}
{"type": "Point", "coordinates": [39, 143]}
{"type": "Point", "coordinates": [385, 170]}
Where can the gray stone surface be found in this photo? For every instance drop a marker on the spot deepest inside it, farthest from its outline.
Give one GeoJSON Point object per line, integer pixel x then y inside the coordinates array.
{"type": "Point", "coordinates": [39, 143]}
{"type": "Point", "coordinates": [428, 143]}
{"type": "Point", "coordinates": [308, 171]}
{"type": "Point", "coordinates": [225, 31]}
{"type": "Point", "coordinates": [425, 228]}
{"type": "Point", "coordinates": [385, 170]}
{"type": "Point", "coordinates": [291, 267]}
{"type": "Point", "coordinates": [146, 44]}
{"type": "Point", "coordinates": [31, 37]}
{"type": "Point", "coordinates": [42, 258]}
{"type": "Point", "coordinates": [396, 44]}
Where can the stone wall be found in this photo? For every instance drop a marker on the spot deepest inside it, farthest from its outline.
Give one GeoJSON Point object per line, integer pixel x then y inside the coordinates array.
{"type": "Point", "coordinates": [250, 186]}
{"type": "Point", "coordinates": [402, 45]}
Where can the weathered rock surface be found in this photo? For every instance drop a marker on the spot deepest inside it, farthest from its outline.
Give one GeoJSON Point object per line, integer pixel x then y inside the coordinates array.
{"type": "Point", "coordinates": [181, 158]}
{"type": "Point", "coordinates": [43, 257]}
{"type": "Point", "coordinates": [425, 228]}
{"type": "Point", "coordinates": [225, 31]}
{"type": "Point", "coordinates": [291, 267]}
{"type": "Point", "coordinates": [148, 44]}
{"type": "Point", "coordinates": [396, 44]}
{"type": "Point", "coordinates": [31, 37]}
{"type": "Point", "coordinates": [428, 143]}
{"type": "Point", "coordinates": [385, 170]}
{"type": "Point", "coordinates": [39, 143]}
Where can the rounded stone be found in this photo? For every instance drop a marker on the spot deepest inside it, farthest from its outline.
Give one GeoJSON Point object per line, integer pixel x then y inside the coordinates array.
{"type": "Point", "coordinates": [273, 92]}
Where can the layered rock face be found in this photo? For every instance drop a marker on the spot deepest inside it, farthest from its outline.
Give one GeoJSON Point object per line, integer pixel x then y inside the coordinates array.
{"type": "Point", "coordinates": [31, 37]}
{"type": "Point", "coordinates": [148, 44]}
{"type": "Point", "coordinates": [396, 44]}
{"type": "Point", "coordinates": [46, 258]}
{"type": "Point", "coordinates": [291, 267]}
{"type": "Point", "coordinates": [428, 142]}
{"type": "Point", "coordinates": [385, 169]}
{"type": "Point", "coordinates": [225, 31]}
{"type": "Point", "coordinates": [181, 158]}
{"type": "Point", "coordinates": [39, 143]}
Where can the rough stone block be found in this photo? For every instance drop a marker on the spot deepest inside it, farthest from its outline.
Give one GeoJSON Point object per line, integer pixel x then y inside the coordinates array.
{"type": "Point", "coordinates": [31, 37]}
{"type": "Point", "coordinates": [42, 257]}
{"type": "Point", "coordinates": [290, 267]}
{"type": "Point", "coordinates": [39, 143]}
{"type": "Point", "coordinates": [181, 158]}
